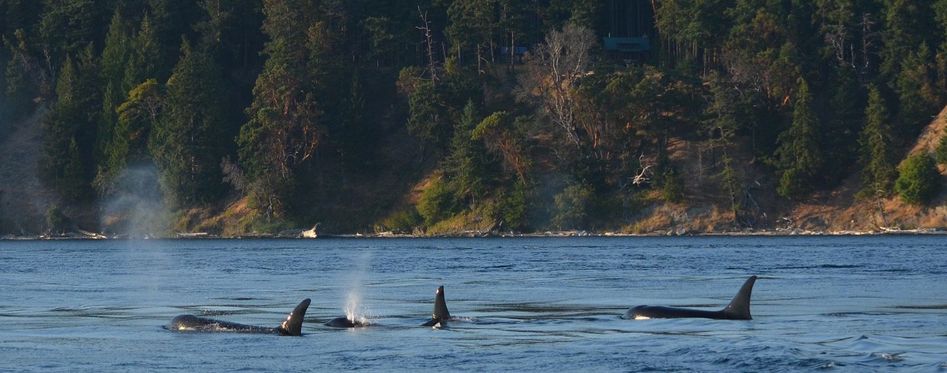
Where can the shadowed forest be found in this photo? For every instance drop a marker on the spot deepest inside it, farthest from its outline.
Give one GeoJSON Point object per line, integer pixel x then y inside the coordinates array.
{"type": "Point", "coordinates": [237, 117]}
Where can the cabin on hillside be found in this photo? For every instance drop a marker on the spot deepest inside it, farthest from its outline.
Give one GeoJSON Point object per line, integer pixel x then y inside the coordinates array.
{"type": "Point", "coordinates": [630, 28]}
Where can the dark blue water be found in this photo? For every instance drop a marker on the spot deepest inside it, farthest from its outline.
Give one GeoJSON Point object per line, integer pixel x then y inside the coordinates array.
{"type": "Point", "coordinates": [835, 303]}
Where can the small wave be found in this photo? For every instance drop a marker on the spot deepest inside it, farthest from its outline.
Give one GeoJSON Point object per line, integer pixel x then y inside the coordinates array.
{"type": "Point", "coordinates": [821, 266]}
{"type": "Point", "coordinates": [923, 307]}
{"type": "Point", "coordinates": [890, 357]}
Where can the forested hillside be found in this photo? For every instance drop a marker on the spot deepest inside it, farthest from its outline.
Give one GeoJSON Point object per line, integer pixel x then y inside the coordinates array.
{"type": "Point", "coordinates": [438, 116]}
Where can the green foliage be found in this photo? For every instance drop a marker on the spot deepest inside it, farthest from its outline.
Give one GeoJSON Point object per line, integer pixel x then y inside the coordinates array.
{"type": "Point", "coordinates": [56, 220]}
{"type": "Point", "coordinates": [672, 185]}
{"type": "Point", "coordinates": [114, 60]}
{"type": "Point", "coordinates": [69, 131]}
{"type": "Point", "coordinates": [919, 180]}
{"type": "Point", "coordinates": [503, 136]}
{"type": "Point", "coordinates": [906, 23]}
{"type": "Point", "coordinates": [68, 26]}
{"type": "Point", "coordinates": [427, 120]}
{"type": "Point", "coordinates": [941, 151]}
{"type": "Point", "coordinates": [799, 154]}
{"type": "Point", "coordinates": [401, 221]}
{"type": "Point", "coordinates": [137, 116]}
{"type": "Point", "coordinates": [731, 185]}
{"type": "Point", "coordinates": [144, 61]}
{"type": "Point", "coordinates": [321, 117]}
{"type": "Point", "coordinates": [21, 83]}
{"type": "Point", "coordinates": [877, 151]}
{"type": "Point", "coordinates": [437, 202]}
{"type": "Point", "coordinates": [842, 123]}
{"type": "Point", "coordinates": [283, 126]}
{"type": "Point", "coordinates": [916, 93]}
{"type": "Point", "coordinates": [574, 207]}
{"type": "Point", "coordinates": [187, 143]}
{"type": "Point", "coordinates": [467, 167]}
{"type": "Point", "coordinates": [513, 207]}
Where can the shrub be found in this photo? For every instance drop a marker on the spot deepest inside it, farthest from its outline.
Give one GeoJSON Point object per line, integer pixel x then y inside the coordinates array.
{"type": "Point", "coordinates": [919, 180]}
{"type": "Point", "coordinates": [573, 206]}
{"type": "Point", "coordinates": [437, 202]}
{"type": "Point", "coordinates": [401, 221]}
{"type": "Point", "coordinates": [56, 220]}
{"type": "Point", "coordinates": [941, 152]}
{"type": "Point", "coordinates": [513, 206]}
{"type": "Point", "coordinates": [672, 186]}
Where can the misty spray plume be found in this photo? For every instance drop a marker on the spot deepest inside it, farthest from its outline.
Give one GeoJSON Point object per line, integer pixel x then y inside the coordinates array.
{"type": "Point", "coordinates": [133, 206]}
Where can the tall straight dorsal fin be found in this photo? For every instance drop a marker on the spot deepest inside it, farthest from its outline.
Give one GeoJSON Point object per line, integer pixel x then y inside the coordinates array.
{"type": "Point", "coordinates": [739, 307]}
{"type": "Point", "coordinates": [294, 322]}
{"type": "Point", "coordinates": [440, 306]}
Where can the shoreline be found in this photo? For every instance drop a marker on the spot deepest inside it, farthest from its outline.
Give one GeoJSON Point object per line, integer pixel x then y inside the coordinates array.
{"type": "Point", "coordinates": [473, 234]}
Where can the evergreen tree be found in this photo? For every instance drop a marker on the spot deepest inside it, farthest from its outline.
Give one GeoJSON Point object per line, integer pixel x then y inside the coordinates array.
{"type": "Point", "coordinates": [68, 26]}
{"type": "Point", "coordinates": [144, 59]}
{"type": "Point", "coordinates": [187, 142]}
{"type": "Point", "coordinates": [917, 96]}
{"type": "Point", "coordinates": [114, 61]}
{"type": "Point", "coordinates": [906, 24]}
{"type": "Point", "coordinates": [845, 109]}
{"type": "Point", "coordinates": [283, 128]}
{"type": "Point", "coordinates": [136, 117]}
{"type": "Point", "coordinates": [22, 79]}
{"type": "Point", "coordinates": [466, 167]}
{"type": "Point", "coordinates": [69, 131]}
{"type": "Point", "coordinates": [171, 21]}
{"type": "Point", "coordinates": [876, 147]}
{"type": "Point", "coordinates": [940, 14]}
{"type": "Point", "coordinates": [799, 155]}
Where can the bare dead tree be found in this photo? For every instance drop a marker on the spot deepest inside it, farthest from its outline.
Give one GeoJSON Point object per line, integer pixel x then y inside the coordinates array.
{"type": "Point", "coordinates": [555, 68]}
{"type": "Point", "coordinates": [868, 39]}
{"type": "Point", "coordinates": [429, 43]}
{"type": "Point", "coordinates": [645, 174]}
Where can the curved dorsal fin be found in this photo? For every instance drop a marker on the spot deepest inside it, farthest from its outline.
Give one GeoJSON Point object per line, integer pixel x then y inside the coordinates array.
{"type": "Point", "coordinates": [440, 306]}
{"type": "Point", "coordinates": [294, 322]}
{"type": "Point", "coordinates": [739, 307]}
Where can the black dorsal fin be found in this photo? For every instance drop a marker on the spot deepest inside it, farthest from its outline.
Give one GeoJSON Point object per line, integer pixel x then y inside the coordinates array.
{"type": "Point", "coordinates": [294, 322]}
{"type": "Point", "coordinates": [440, 306]}
{"type": "Point", "coordinates": [739, 307]}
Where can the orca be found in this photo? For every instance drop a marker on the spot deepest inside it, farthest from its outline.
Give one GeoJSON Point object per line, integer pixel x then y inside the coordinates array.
{"type": "Point", "coordinates": [344, 322]}
{"type": "Point", "coordinates": [441, 315]}
{"type": "Point", "coordinates": [738, 309]}
{"type": "Point", "coordinates": [291, 327]}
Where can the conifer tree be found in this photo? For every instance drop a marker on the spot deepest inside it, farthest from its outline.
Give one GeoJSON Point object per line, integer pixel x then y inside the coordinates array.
{"type": "Point", "coordinates": [917, 96]}
{"type": "Point", "coordinates": [283, 128]}
{"type": "Point", "coordinates": [466, 166]}
{"type": "Point", "coordinates": [187, 142]}
{"type": "Point", "coordinates": [114, 60]}
{"type": "Point", "coordinates": [69, 131]}
{"type": "Point", "coordinates": [68, 26]}
{"type": "Point", "coordinates": [144, 58]}
{"type": "Point", "coordinates": [844, 117]}
{"type": "Point", "coordinates": [137, 116]}
{"type": "Point", "coordinates": [21, 78]}
{"type": "Point", "coordinates": [906, 23]}
{"type": "Point", "coordinates": [876, 147]}
{"type": "Point", "coordinates": [800, 157]}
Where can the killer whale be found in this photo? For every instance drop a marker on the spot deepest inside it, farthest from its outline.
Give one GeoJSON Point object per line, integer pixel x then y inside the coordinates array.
{"type": "Point", "coordinates": [441, 315]}
{"type": "Point", "coordinates": [344, 322]}
{"type": "Point", "coordinates": [738, 309]}
{"type": "Point", "coordinates": [292, 326]}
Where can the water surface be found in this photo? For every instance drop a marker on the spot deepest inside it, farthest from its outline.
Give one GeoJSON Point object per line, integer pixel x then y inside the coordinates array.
{"type": "Point", "coordinates": [836, 303]}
